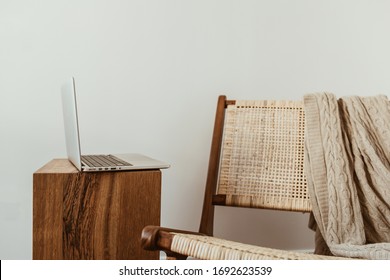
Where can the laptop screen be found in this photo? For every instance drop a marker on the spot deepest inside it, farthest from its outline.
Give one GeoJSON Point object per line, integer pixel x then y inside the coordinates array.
{"type": "Point", "coordinates": [72, 137]}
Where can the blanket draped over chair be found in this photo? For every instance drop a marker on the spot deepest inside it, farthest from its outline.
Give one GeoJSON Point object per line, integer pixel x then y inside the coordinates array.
{"type": "Point", "coordinates": [348, 172]}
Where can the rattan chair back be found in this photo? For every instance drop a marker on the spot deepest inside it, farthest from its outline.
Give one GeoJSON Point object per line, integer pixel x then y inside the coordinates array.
{"type": "Point", "coordinates": [257, 158]}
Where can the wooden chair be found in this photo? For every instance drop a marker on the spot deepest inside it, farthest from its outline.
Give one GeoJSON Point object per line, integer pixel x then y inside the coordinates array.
{"type": "Point", "coordinates": [256, 161]}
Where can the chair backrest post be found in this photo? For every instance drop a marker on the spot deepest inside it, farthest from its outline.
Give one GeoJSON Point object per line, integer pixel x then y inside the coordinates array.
{"type": "Point", "coordinates": [207, 219]}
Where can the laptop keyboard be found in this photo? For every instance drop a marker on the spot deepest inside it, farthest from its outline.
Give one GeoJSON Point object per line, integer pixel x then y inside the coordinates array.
{"type": "Point", "coordinates": [103, 161]}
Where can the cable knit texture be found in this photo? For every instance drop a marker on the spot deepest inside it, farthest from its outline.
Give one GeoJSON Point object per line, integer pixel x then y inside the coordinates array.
{"type": "Point", "coordinates": [347, 165]}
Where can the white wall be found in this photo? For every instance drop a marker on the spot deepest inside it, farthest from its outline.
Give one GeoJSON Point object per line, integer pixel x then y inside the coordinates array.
{"type": "Point", "coordinates": [156, 67]}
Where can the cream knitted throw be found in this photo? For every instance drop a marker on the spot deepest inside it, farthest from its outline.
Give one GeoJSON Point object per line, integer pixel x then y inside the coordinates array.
{"type": "Point", "coordinates": [348, 172]}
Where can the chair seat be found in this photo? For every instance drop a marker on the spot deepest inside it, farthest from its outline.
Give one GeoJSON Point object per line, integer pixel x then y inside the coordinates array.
{"type": "Point", "coordinates": [213, 248]}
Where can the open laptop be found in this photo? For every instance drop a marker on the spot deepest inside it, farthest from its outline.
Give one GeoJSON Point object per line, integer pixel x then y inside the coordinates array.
{"type": "Point", "coordinates": [96, 162]}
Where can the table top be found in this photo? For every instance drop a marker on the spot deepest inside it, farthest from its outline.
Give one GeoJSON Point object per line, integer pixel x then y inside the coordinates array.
{"type": "Point", "coordinates": [58, 166]}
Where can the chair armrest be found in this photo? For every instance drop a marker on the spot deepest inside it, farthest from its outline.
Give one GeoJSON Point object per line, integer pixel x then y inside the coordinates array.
{"type": "Point", "coordinates": [159, 238]}
{"type": "Point", "coordinates": [201, 246]}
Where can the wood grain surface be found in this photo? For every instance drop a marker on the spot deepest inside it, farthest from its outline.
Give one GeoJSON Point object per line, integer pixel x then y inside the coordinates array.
{"type": "Point", "coordinates": [93, 215]}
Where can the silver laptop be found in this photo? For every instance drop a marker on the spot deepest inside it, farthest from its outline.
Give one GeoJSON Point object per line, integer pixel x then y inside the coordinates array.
{"type": "Point", "coordinates": [106, 162]}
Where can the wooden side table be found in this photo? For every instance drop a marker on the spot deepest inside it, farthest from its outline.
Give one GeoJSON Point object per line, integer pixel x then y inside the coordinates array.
{"type": "Point", "coordinates": [80, 215]}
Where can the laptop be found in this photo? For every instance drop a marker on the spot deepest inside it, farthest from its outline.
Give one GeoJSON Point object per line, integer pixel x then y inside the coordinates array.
{"type": "Point", "coordinates": [94, 163]}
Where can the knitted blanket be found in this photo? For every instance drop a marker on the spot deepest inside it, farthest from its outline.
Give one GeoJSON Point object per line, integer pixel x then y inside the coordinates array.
{"type": "Point", "coordinates": [348, 172]}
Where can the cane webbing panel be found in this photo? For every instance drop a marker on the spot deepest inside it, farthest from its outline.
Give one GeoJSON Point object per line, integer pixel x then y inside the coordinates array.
{"type": "Point", "coordinates": [263, 155]}
{"type": "Point", "coordinates": [212, 248]}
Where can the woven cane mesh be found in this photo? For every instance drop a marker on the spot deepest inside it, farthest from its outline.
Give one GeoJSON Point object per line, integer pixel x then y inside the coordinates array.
{"type": "Point", "coordinates": [263, 155]}
{"type": "Point", "coordinates": [211, 248]}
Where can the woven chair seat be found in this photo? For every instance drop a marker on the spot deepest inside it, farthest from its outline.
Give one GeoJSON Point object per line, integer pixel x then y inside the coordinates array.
{"type": "Point", "coordinates": [212, 248]}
